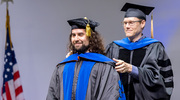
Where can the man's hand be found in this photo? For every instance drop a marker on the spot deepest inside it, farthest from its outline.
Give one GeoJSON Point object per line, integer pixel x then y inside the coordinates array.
{"type": "Point", "coordinates": [122, 67]}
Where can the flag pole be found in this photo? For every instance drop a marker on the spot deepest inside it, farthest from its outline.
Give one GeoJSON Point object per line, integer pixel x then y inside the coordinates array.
{"type": "Point", "coordinates": [7, 5]}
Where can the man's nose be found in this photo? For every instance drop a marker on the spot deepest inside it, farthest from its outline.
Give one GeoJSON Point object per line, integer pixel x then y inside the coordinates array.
{"type": "Point", "coordinates": [127, 25]}
{"type": "Point", "coordinates": [76, 37]}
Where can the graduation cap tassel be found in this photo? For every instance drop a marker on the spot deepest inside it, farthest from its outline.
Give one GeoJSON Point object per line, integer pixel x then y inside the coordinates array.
{"type": "Point", "coordinates": [88, 28]}
{"type": "Point", "coordinates": [152, 35]}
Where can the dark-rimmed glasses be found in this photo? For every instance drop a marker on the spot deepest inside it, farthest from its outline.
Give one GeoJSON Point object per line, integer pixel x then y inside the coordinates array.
{"type": "Point", "coordinates": [130, 23]}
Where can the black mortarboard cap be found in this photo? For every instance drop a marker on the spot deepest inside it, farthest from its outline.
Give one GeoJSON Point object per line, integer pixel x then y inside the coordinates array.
{"type": "Point", "coordinates": [134, 10]}
{"type": "Point", "coordinates": [82, 23]}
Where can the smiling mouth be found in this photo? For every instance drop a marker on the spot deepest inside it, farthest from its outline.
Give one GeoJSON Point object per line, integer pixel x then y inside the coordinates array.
{"type": "Point", "coordinates": [128, 30]}
{"type": "Point", "coordinates": [77, 44]}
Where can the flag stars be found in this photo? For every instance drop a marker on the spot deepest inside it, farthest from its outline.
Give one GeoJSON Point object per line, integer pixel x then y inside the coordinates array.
{"type": "Point", "coordinates": [7, 44]}
{"type": "Point", "coordinates": [8, 53]}
{"type": "Point", "coordinates": [10, 63]}
{"type": "Point", "coordinates": [8, 69]}
{"type": "Point", "coordinates": [5, 76]}
{"type": "Point", "coordinates": [6, 60]}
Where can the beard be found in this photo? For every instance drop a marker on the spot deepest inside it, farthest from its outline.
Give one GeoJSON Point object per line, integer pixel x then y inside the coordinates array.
{"type": "Point", "coordinates": [83, 49]}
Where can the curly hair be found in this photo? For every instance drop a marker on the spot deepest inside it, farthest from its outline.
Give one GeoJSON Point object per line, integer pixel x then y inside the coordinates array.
{"type": "Point", "coordinates": [95, 44]}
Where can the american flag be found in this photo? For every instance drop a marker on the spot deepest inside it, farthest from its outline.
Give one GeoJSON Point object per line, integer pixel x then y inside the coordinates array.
{"type": "Point", "coordinates": [12, 87]}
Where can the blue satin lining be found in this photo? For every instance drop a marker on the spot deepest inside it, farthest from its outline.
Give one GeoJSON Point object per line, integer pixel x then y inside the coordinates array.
{"type": "Point", "coordinates": [134, 45]}
{"type": "Point", "coordinates": [84, 73]}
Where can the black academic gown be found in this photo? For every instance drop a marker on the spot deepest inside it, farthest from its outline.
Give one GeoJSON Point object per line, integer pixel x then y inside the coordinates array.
{"type": "Point", "coordinates": [103, 82]}
{"type": "Point", "coordinates": [155, 80]}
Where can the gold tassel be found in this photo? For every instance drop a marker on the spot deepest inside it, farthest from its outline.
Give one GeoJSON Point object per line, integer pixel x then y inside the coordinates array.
{"type": "Point", "coordinates": [88, 28]}
{"type": "Point", "coordinates": [152, 34]}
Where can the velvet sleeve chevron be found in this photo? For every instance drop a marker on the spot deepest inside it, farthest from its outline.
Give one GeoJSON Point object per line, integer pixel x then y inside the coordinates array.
{"type": "Point", "coordinates": [166, 70]}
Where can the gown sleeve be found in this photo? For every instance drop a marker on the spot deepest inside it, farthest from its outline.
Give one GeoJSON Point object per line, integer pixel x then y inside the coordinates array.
{"type": "Point", "coordinates": [55, 91]}
{"type": "Point", "coordinates": [112, 51]}
{"type": "Point", "coordinates": [155, 75]}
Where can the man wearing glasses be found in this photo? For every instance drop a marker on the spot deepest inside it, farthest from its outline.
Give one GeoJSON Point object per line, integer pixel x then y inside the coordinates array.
{"type": "Point", "coordinates": [142, 62]}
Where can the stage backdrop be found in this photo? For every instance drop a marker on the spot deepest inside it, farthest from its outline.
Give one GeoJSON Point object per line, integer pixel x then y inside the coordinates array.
{"type": "Point", "coordinates": [39, 32]}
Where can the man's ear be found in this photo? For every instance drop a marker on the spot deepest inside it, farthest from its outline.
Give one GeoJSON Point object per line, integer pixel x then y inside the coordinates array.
{"type": "Point", "coordinates": [143, 23]}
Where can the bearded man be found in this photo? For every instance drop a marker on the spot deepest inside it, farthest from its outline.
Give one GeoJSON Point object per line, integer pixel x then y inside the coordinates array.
{"type": "Point", "coordinates": [86, 74]}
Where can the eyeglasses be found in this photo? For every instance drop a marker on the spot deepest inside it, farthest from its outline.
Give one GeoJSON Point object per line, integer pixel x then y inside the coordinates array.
{"type": "Point", "coordinates": [131, 23]}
